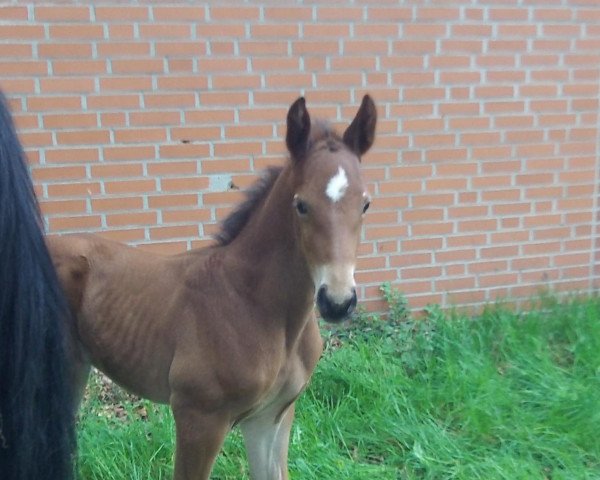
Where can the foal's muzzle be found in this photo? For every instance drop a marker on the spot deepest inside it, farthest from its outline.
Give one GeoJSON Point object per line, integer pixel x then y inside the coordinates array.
{"type": "Point", "coordinates": [334, 312]}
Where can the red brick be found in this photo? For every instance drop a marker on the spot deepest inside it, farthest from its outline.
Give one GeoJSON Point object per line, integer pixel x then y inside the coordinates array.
{"type": "Point", "coordinates": [130, 219]}
{"type": "Point", "coordinates": [121, 32]}
{"type": "Point", "coordinates": [423, 93]}
{"type": "Point", "coordinates": [197, 215]}
{"type": "Point", "coordinates": [23, 68]}
{"type": "Point", "coordinates": [183, 82]}
{"type": "Point", "coordinates": [117, 203]}
{"type": "Point", "coordinates": [110, 119]}
{"type": "Point", "coordinates": [169, 100]}
{"type": "Point", "coordinates": [130, 186]}
{"type": "Point", "coordinates": [268, 48]}
{"type": "Point", "coordinates": [15, 50]}
{"type": "Point", "coordinates": [122, 14]}
{"type": "Point", "coordinates": [154, 118]}
{"type": "Point", "coordinates": [75, 223]}
{"type": "Point", "coordinates": [62, 50]}
{"type": "Point", "coordinates": [62, 13]}
{"type": "Point", "coordinates": [277, 30]}
{"type": "Point", "coordinates": [121, 84]}
{"type": "Point", "coordinates": [79, 67]}
{"type": "Point", "coordinates": [177, 200]}
{"type": "Point", "coordinates": [230, 14]}
{"type": "Point", "coordinates": [165, 30]}
{"type": "Point", "coordinates": [173, 232]}
{"type": "Point", "coordinates": [369, 30]}
{"type": "Point", "coordinates": [220, 30]}
{"type": "Point", "coordinates": [339, 14]}
{"type": "Point", "coordinates": [184, 184]}
{"type": "Point", "coordinates": [224, 98]}
{"type": "Point", "coordinates": [111, 102]}
{"type": "Point", "coordinates": [508, 14]}
{"type": "Point", "coordinates": [388, 14]}
{"type": "Point", "coordinates": [430, 229]}
{"type": "Point", "coordinates": [494, 280]}
{"type": "Point", "coordinates": [61, 207]}
{"type": "Point", "coordinates": [138, 65]}
{"type": "Point", "coordinates": [72, 155]}
{"type": "Point", "coordinates": [179, 13]}
{"type": "Point", "coordinates": [469, 123]}
{"type": "Point", "coordinates": [67, 85]}
{"type": "Point", "coordinates": [494, 60]}
{"type": "Point", "coordinates": [462, 46]}
{"type": "Point", "coordinates": [13, 12]}
{"type": "Point", "coordinates": [401, 47]}
{"type": "Point", "coordinates": [184, 150]}
{"type": "Point", "coordinates": [222, 47]}
{"type": "Point", "coordinates": [122, 170]}
{"type": "Point", "coordinates": [471, 30]}
{"type": "Point", "coordinates": [76, 31]}
{"type": "Point", "coordinates": [62, 190]}
{"type": "Point", "coordinates": [121, 153]}
{"type": "Point", "coordinates": [179, 48]}
{"type": "Point", "coordinates": [288, 13]}
{"type": "Point", "coordinates": [58, 173]}
{"type": "Point", "coordinates": [22, 32]}
{"type": "Point", "coordinates": [237, 148]}
{"type": "Point", "coordinates": [71, 120]}
{"type": "Point", "coordinates": [175, 65]}
{"type": "Point", "coordinates": [460, 77]}
{"type": "Point", "coordinates": [83, 137]}
{"type": "Point", "coordinates": [140, 135]}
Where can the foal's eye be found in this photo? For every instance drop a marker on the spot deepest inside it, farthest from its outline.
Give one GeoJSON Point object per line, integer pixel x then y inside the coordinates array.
{"type": "Point", "coordinates": [300, 206]}
{"type": "Point", "coordinates": [366, 206]}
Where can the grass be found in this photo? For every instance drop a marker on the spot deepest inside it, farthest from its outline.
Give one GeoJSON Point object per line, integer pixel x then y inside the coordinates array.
{"type": "Point", "coordinates": [506, 395]}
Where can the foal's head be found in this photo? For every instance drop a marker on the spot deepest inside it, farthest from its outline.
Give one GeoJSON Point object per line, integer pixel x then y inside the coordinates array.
{"type": "Point", "coordinates": [330, 199]}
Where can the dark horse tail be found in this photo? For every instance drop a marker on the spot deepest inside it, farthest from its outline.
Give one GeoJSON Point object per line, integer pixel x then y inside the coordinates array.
{"type": "Point", "coordinates": [36, 407]}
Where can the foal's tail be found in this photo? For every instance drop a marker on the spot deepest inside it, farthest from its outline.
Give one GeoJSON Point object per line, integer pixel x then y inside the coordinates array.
{"type": "Point", "coordinates": [36, 411]}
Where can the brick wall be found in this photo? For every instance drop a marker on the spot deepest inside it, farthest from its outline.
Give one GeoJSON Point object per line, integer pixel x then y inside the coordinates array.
{"type": "Point", "coordinates": [142, 122]}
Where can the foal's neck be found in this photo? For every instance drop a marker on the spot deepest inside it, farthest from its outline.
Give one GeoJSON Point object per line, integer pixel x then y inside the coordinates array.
{"type": "Point", "coordinates": [269, 246]}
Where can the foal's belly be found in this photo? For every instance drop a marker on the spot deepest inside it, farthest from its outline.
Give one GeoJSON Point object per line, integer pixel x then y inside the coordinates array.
{"type": "Point", "coordinates": [131, 353]}
{"type": "Point", "coordinates": [127, 332]}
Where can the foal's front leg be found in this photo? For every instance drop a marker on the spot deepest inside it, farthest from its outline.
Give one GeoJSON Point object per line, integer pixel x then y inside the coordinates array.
{"type": "Point", "coordinates": [199, 439]}
{"type": "Point", "coordinates": [267, 437]}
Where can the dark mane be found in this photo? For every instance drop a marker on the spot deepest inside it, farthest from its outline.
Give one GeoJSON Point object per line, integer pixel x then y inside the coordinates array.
{"type": "Point", "coordinates": [237, 220]}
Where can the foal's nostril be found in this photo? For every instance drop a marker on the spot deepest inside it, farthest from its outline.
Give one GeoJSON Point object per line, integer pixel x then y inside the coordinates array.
{"type": "Point", "coordinates": [332, 311]}
{"type": "Point", "coordinates": [322, 299]}
{"type": "Point", "coordinates": [353, 302]}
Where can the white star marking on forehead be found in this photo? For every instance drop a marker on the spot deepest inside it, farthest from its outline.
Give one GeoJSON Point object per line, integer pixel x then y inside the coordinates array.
{"type": "Point", "coordinates": [337, 185]}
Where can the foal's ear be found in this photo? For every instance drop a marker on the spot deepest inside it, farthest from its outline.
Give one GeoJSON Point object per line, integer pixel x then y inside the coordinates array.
{"type": "Point", "coordinates": [298, 129]}
{"type": "Point", "coordinates": [360, 135]}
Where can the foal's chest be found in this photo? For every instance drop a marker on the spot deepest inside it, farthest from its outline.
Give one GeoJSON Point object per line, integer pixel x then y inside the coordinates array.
{"type": "Point", "coordinates": [284, 391]}
{"type": "Point", "coordinates": [293, 376]}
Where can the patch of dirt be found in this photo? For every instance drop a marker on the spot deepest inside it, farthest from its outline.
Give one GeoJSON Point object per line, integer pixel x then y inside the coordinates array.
{"type": "Point", "coordinates": [106, 399]}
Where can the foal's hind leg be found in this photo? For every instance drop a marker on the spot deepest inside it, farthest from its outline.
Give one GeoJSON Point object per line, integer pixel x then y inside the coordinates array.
{"type": "Point", "coordinates": [80, 373]}
{"type": "Point", "coordinates": [267, 437]}
{"type": "Point", "coordinates": [79, 370]}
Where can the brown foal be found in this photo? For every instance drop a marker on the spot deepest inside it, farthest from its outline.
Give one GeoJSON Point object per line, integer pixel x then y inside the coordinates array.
{"type": "Point", "coordinates": [227, 335]}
